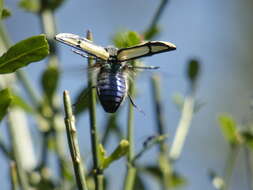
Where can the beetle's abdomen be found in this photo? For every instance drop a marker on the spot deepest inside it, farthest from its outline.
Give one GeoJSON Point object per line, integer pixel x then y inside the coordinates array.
{"type": "Point", "coordinates": [111, 89]}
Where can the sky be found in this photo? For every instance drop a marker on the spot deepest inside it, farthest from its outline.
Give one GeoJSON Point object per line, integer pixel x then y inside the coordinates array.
{"type": "Point", "coordinates": [218, 33]}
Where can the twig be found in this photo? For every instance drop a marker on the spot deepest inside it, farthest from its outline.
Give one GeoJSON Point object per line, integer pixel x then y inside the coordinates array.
{"type": "Point", "coordinates": [99, 177]}
{"type": "Point", "coordinates": [230, 165]}
{"type": "Point", "coordinates": [131, 170]}
{"type": "Point", "coordinates": [73, 142]}
{"type": "Point", "coordinates": [183, 128]}
{"type": "Point", "coordinates": [249, 167]}
{"type": "Point", "coordinates": [22, 176]}
{"type": "Point", "coordinates": [4, 149]}
{"type": "Point", "coordinates": [158, 14]}
{"type": "Point", "coordinates": [163, 156]}
{"type": "Point", "coordinates": [48, 26]}
{"type": "Point", "coordinates": [13, 176]}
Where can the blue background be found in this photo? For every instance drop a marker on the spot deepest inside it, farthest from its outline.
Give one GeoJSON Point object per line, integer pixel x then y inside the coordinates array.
{"type": "Point", "coordinates": [217, 32]}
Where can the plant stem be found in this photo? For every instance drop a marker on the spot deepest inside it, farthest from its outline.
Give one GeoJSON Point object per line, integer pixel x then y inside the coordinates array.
{"type": "Point", "coordinates": [22, 176]}
{"type": "Point", "coordinates": [48, 26]}
{"type": "Point", "coordinates": [158, 14]}
{"type": "Point", "coordinates": [163, 156]}
{"type": "Point", "coordinates": [73, 142]}
{"type": "Point", "coordinates": [99, 177]}
{"type": "Point", "coordinates": [4, 149]}
{"type": "Point", "coordinates": [230, 165]}
{"type": "Point", "coordinates": [13, 176]}
{"type": "Point", "coordinates": [29, 88]}
{"type": "Point", "coordinates": [249, 167]}
{"type": "Point", "coordinates": [131, 170]}
{"type": "Point", "coordinates": [183, 127]}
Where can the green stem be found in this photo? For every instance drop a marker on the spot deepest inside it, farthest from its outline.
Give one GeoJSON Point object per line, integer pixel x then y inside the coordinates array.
{"type": "Point", "coordinates": [73, 143]}
{"type": "Point", "coordinates": [131, 170]}
{"type": "Point", "coordinates": [163, 155]}
{"type": "Point", "coordinates": [29, 88]}
{"type": "Point", "coordinates": [13, 176]}
{"type": "Point", "coordinates": [48, 25]}
{"type": "Point", "coordinates": [249, 167]}
{"type": "Point", "coordinates": [183, 127]}
{"type": "Point", "coordinates": [22, 176]}
{"type": "Point", "coordinates": [158, 14]}
{"type": "Point", "coordinates": [99, 177]}
{"type": "Point", "coordinates": [230, 165]}
{"type": "Point", "coordinates": [4, 149]}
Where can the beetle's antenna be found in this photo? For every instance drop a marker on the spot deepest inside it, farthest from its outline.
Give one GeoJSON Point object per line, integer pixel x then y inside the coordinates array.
{"type": "Point", "coordinates": [132, 102]}
{"type": "Point", "coordinates": [80, 53]}
{"type": "Point", "coordinates": [143, 67]}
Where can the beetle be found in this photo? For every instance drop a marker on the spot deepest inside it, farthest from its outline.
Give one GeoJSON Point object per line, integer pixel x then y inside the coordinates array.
{"type": "Point", "coordinates": [113, 64]}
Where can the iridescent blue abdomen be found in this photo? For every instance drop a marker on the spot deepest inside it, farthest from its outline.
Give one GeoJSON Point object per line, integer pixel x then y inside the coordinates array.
{"type": "Point", "coordinates": [111, 89]}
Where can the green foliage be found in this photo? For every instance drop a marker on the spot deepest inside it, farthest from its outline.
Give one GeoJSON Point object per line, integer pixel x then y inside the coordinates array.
{"type": "Point", "coordinates": [126, 39]}
{"type": "Point", "coordinates": [247, 138]}
{"type": "Point", "coordinates": [81, 103]}
{"type": "Point", "coordinates": [174, 181]}
{"type": "Point", "coordinates": [49, 81]}
{"type": "Point", "coordinates": [121, 150]}
{"type": "Point", "coordinates": [139, 183]}
{"type": "Point", "coordinates": [6, 98]}
{"type": "Point", "coordinates": [152, 32]}
{"type": "Point", "coordinates": [229, 130]}
{"type": "Point", "coordinates": [193, 70]}
{"type": "Point", "coordinates": [5, 13]}
{"type": "Point", "coordinates": [23, 53]}
{"type": "Point", "coordinates": [30, 5]}
{"type": "Point", "coordinates": [1, 7]}
{"type": "Point", "coordinates": [36, 6]}
{"type": "Point", "coordinates": [21, 103]}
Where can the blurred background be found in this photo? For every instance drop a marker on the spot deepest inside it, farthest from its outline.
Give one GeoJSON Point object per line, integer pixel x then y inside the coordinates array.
{"type": "Point", "coordinates": [217, 33]}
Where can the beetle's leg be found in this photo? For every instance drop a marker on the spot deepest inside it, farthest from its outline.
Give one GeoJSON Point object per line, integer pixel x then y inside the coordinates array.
{"type": "Point", "coordinates": [132, 102]}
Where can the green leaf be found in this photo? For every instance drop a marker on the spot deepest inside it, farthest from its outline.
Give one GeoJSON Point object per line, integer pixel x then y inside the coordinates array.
{"type": "Point", "coordinates": [6, 98]}
{"type": "Point", "coordinates": [1, 7]}
{"type": "Point", "coordinates": [193, 70]}
{"type": "Point", "coordinates": [175, 180]}
{"type": "Point", "coordinates": [49, 81]}
{"type": "Point", "coordinates": [111, 127]}
{"type": "Point", "coordinates": [139, 183]}
{"type": "Point", "coordinates": [21, 103]}
{"type": "Point", "coordinates": [81, 103]}
{"type": "Point", "coordinates": [30, 5]}
{"type": "Point", "coordinates": [152, 32]}
{"type": "Point", "coordinates": [23, 53]}
{"type": "Point", "coordinates": [120, 151]}
{"type": "Point", "coordinates": [228, 128]}
{"type": "Point", "coordinates": [247, 138]}
{"type": "Point", "coordinates": [52, 4]}
{"type": "Point", "coordinates": [126, 39]}
{"type": "Point", "coordinates": [5, 13]}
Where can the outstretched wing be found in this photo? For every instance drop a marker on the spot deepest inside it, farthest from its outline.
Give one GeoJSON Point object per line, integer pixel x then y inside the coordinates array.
{"type": "Point", "coordinates": [83, 44]}
{"type": "Point", "coordinates": [144, 49]}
